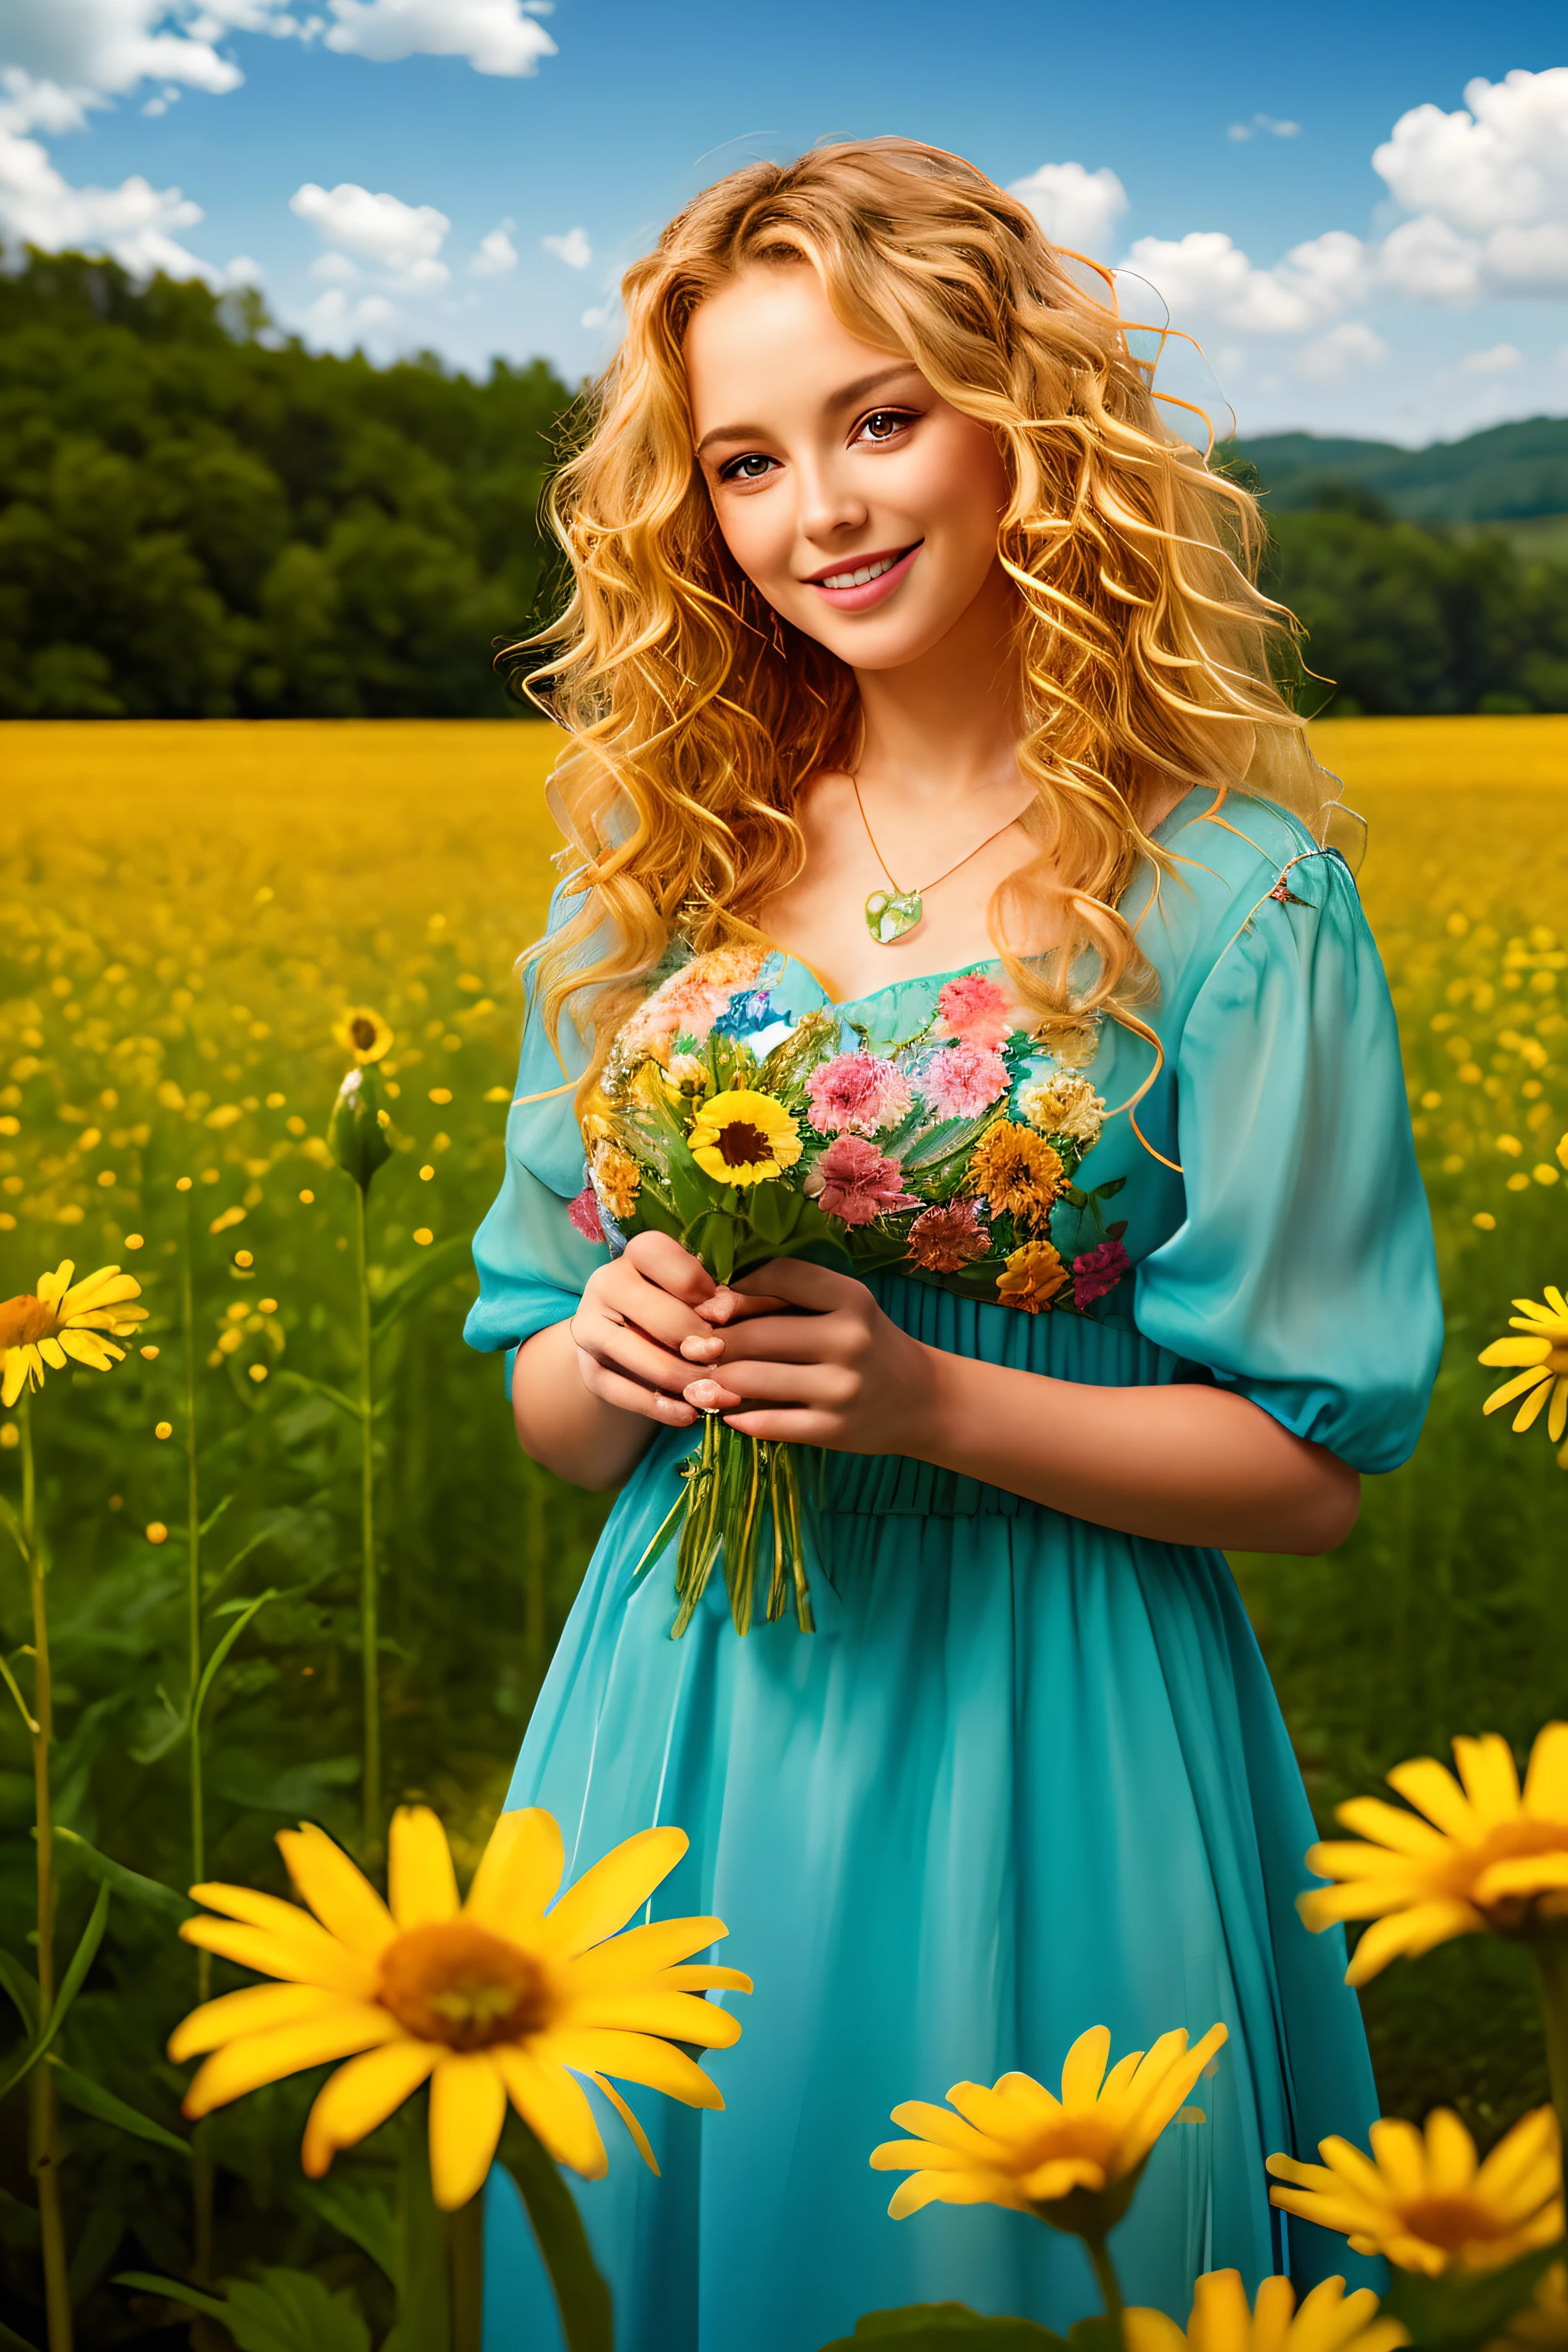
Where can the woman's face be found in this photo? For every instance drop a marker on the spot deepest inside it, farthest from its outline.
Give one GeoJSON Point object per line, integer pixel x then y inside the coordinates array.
{"type": "Point", "coordinates": [858, 502]}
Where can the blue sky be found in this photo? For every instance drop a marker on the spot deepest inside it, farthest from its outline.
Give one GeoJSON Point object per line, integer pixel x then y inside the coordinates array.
{"type": "Point", "coordinates": [384, 192]}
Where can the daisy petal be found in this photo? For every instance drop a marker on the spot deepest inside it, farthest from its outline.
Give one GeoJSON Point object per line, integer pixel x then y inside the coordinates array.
{"type": "Point", "coordinates": [518, 1871]}
{"type": "Point", "coordinates": [267, 2057]}
{"type": "Point", "coordinates": [420, 1878]}
{"type": "Point", "coordinates": [360, 2096]}
{"type": "Point", "coordinates": [605, 1897]}
{"type": "Point", "coordinates": [640, 2140]}
{"type": "Point", "coordinates": [340, 1894]}
{"type": "Point", "coordinates": [254, 2010]}
{"type": "Point", "coordinates": [468, 2109]}
{"type": "Point", "coordinates": [635, 2058]}
{"type": "Point", "coordinates": [1546, 1778]}
{"type": "Point", "coordinates": [554, 2108]}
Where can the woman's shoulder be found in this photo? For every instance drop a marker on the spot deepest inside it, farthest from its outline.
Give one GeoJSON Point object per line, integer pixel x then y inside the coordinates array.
{"type": "Point", "coordinates": [1231, 853]}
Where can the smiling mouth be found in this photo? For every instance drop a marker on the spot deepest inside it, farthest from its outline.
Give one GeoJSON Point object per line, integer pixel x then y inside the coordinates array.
{"type": "Point", "coordinates": [863, 572]}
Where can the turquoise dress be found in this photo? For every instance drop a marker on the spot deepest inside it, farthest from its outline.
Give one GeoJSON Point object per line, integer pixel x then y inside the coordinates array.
{"type": "Point", "coordinates": [1028, 1775]}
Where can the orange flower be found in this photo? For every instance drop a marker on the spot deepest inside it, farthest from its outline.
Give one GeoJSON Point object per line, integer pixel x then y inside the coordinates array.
{"type": "Point", "coordinates": [1031, 1277]}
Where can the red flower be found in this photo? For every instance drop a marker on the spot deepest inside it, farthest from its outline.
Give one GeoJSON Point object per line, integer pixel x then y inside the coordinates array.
{"type": "Point", "coordinates": [1098, 1271]}
{"type": "Point", "coordinates": [860, 1183]}
{"type": "Point", "coordinates": [945, 1238]}
{"type": "Point", "coordinates": [583, 1212]}
{"type": "Point", "coordinates": [974, 1007]}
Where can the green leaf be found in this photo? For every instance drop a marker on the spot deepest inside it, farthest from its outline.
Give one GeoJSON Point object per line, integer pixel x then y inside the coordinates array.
{"type": "Point", "coordinates": [582, 2296]}
{"type": "Point", "coordinates": [359, 2209]}
{"type": "Point", "coordinates": [214, 1515]}
{"type": "Point", "coordinates": [14, 1526]}
{"type": "Point", "coordinates": [150, 1892]}
{"type": "Point", "coordinates": [248, 1610]}
{"type": "Point", "coordinates": [953, 2328]}
{"type": "Point", "coordinates": [322, 1389]}
{"type": "Point", "coordinates": [22, 1988]}
{"type": "Point", "coordinates": [11, 2342]}
{"type": "Point", "coordinates": [429, 1272]}
{"type": "Point", "coordinates": [1460, 2309]}
{"type": "Point", "coordinates": [277, 2311]}
{"type": "Point", "coordinates": [70, 1985]}
{"type": "Point", "coordinates": [79, 2091]}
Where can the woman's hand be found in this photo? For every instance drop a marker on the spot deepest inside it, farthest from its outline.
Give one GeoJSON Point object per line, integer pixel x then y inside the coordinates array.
{"type": "Point", "coordinates": [809, 1355]}
{"type": "Point", "coordinates": [637, 1334]}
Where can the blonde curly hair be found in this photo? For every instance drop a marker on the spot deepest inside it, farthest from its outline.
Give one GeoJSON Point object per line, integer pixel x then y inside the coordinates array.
{"type": "Point", "coordinates": [696, 713]}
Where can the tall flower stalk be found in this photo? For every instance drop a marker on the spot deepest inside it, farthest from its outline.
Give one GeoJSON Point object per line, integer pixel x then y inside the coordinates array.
{"type": "Point", "coordinates": [358, 1143]}
{"type": "Point", "coordinates": [202, 2179]}
{"type": "Point", "coordinates": [44, 1331]}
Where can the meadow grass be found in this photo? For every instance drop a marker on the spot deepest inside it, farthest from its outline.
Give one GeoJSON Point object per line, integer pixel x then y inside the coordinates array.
{"type": "Point", "coordinates": [185, 912]}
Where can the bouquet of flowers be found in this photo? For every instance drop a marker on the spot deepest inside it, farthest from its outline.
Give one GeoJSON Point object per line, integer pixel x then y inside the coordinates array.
{"type": "Point", "coordinates": [749, 1135]}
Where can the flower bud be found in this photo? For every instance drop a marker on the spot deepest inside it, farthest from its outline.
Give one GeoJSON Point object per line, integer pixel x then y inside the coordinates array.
{"type": "Point", "coordinates": [355, 1136]}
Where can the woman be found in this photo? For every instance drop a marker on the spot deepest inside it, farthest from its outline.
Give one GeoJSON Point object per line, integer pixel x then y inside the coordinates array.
{"type": "Point", "coordinates": [908, 642]}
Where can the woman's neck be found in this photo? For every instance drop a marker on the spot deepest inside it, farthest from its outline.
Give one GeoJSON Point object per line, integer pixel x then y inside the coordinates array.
{"type": "Point", "coordinates": [945, 731]}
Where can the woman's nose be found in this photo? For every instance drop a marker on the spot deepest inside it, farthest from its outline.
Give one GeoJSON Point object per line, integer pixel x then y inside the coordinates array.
{"type": "Point", "coordinates": [829, 505]}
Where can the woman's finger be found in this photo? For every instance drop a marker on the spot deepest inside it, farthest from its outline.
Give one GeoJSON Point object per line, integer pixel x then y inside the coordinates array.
{"type": "Point", "coordinates": [621, 1347]}
{"type": "Point", "coordinates": [788, 1428]}
{"type": "Point", "coordinates": [660, 1259]}
{"type": "Point", "coordinates": [727, 1307]}
{"type": "Point", "coordinates": [795, 1282]}
{"type": "Point", "coordinates": [785, 1338]}
{"type": "Point", "coordinates": [629, 1396]}
{"type": "Point", "coordinates": [652, 1309]}
{"type": "Point", "coordinates": [827, 1385]}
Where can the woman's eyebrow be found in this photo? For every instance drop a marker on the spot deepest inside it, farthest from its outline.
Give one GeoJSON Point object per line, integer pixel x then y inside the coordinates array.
{"type": "Point", "coordinates": [848, 395]}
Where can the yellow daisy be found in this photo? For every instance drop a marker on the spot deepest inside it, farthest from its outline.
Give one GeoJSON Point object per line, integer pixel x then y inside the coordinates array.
{"type": "Point", "coordinates": [58, 1323]}
{"type": "Point", "coordinates": [362, 1032]}
{"type": "Point", "coordinates": [1543, 1352]}
{"type": "Point", "coordinates": [1329, 2320]}
{"type": "Point", "coordinates": [1425, 2202]}
{"type": "Point", "coordinates": [1031, 1277]}
{"type": "Point", "coordinates": [1073, 2161]}
{"type": "Point", "coordinates": [493, 1998]}
{"type": "Point", "coordinates": [1475, 1853]}
{"type": "Point", "coordinates": [1542, 2325]}
{"type": "Point", "coordinates": [743, 1137]}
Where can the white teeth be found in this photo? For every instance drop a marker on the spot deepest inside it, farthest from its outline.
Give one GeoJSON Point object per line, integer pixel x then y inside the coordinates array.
{"type": "Point", "coordinates": [858, 579]}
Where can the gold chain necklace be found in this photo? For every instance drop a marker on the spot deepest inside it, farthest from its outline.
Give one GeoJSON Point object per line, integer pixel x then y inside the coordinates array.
{"type": "Point", "coordinates": [892, 914]}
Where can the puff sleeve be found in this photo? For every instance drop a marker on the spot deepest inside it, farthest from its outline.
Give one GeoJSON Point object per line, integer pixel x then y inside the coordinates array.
{"type": "Point", "coordinates": [1303, 1275]}
{"type": "Point", "coordinates": [531, 1261]}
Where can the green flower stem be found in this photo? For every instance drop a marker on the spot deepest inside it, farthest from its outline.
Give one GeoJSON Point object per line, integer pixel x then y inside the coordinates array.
{"type": "Point", "coordinates": [369, 1634]}
{"type": "Point", "coordinates": [1109, 2284]}
{"type": "Point", "coordinates": [201, 2174]}
{"type": "Point", "coordinates": [466, 2242]}
{"type": "Point", "coordinates": [45, 2113]}
{"type": "Point", "coordinates": [424, 2283]}
{"type": "Point", "coordinates": [1550, 1951]}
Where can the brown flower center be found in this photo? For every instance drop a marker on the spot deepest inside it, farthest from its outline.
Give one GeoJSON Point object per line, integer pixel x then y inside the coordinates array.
{"type": "Point", "coordinates": [455, 1982]}
{"type": "Point", "coordinates": [363, 1032]}
{"type": "Point", "coordinates": [741, 1145]}
{"type": "Point", "coordinates": [24, 1320]}
{"type": "Point", "coordinates": [1452, 2222]}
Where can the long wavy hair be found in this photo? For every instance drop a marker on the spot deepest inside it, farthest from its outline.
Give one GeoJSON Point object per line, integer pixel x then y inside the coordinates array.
{"type": "Point", "coordinates": [696, 714]}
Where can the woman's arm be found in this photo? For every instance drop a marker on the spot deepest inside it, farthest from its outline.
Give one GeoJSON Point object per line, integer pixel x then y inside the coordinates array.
{"type": "Point", "coordinates": [1185, 1464]}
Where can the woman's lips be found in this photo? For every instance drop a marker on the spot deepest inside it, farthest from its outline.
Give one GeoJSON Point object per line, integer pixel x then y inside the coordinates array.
{"type": "Point", "coordinates": [872, 592]}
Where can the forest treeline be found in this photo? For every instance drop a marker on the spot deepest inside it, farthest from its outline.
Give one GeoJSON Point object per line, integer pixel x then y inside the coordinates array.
{"type": "Point", "coordinates": [200, 518]}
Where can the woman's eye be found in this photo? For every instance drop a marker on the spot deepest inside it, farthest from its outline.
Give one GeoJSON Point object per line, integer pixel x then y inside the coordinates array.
{"type": "Point", "coordinates": [752, 468]}
{"type": "Point", "coordinates": [883, 422]}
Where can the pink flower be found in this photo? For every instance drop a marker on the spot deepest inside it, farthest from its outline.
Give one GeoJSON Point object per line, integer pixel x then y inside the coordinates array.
{"type": "Point", "coordinates": [860, 1183]}
{"type": "Point", "coordinates": [856, 1091]}
{"type": "Point", "coordinates": [1098, 1271]}
{"type": "Point", "coordinates": [973, 1007]}
{"type": "Point", "coordinates": [945, 1238]}
{"type": "Point", "coordinates": [583, 1212]}
{"type": "Point", "coordinates": [964, 1079]}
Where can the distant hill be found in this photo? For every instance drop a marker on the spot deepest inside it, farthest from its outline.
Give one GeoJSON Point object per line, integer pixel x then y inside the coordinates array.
{"type": "Point", "coordinates": [1507, 473]}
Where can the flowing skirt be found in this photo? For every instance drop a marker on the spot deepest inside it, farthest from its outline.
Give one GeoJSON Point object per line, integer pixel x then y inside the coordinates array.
{"type": "Point", "coordinates": [1028, 1776]}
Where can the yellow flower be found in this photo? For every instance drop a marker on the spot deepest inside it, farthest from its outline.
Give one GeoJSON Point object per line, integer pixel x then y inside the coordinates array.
{"type": "Point", "coordinates": [1064, 1104]}
{"type": "Point", "coordinates": [362, 1032]}
{"type": "Point", "coordinates": [1031, 1277]}
{"type": "Point", "coordinates": [1543, 1352]}
{"type": "Point", "coordinates": [1471, 1856]}
{"type": "Point", "coordinates": [46, 1327]}
{"type": "Point", "coordinates": [617, 1179]}
{"type": "Point", "coordinates": [1017, 1171]}
{"type": "Point", "coordinates": [1329, 2320]}
{"type": "Point", "coordinates": [743, 1137]}
{"type": "Point", "coordinates": [687, 1078]}
{"type": "Point", "coordinates": [1073, 2161]}
{"type": "Point", "coordinates": [493, 1998]}
{"type": "Point", "coordinates": [1542, 2325]}
{"type": "Point", "coordinates": [1425, 2202]}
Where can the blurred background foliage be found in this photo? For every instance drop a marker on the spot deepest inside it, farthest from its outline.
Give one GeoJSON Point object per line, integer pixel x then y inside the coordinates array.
{"type": "Point", "coordinates": [199, 518]}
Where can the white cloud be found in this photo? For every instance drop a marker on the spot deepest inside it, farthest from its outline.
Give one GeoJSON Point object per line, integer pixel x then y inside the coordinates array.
{"type": "Point", "coordinates": [574, 248]}
{"type": "Point", "coordinates": [1488, 187]}
{"type": "Point", "coordinates": [404, 238]}
{"type": "Point", "coordinates": [134, 222]}
{"type": "Point", "coordinates": [598, 314]}
{"type": "Point", "coordinates": [110, 46]}
{"type": "Point", "coordinates": [333, 318]}
{"type": "Point", "coordinates": [1344, 350]}
{"type": "Point", "coordinates": [1205, 277]}
{"type": "Point", "coordinates": [496, 37]}
{"type": "Point", "coordinates": [334, 269]}
{"type": "Point", "coordinates": [495, 253]}
{"type": "Point", "coordinates": [1495, 362]}
{"type": "Point", "coordinates": [1075, 207]}
{"type": "Point", "coordinates": [1268, 124]}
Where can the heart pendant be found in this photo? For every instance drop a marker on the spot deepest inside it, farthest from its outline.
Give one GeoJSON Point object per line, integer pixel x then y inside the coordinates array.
{"type": "Point", "coordinates": [891, 913]}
